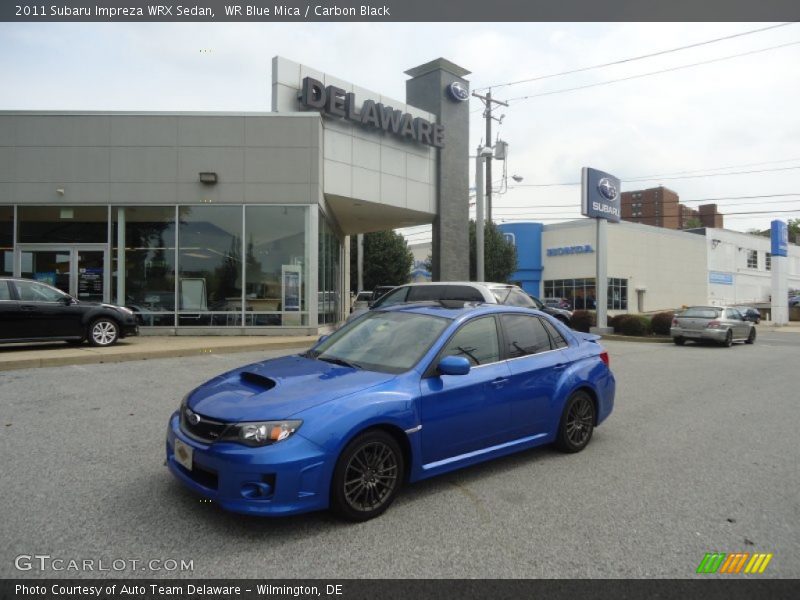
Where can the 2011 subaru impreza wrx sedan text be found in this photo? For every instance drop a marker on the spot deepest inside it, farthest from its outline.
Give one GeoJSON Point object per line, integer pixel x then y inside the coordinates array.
{"type": "Point", "coordinates": [403, 394]}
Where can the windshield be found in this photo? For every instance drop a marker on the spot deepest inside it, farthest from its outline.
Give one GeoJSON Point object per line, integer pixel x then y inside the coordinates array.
{"type": "Point", "coordinates": [391, 342]}
{"type": "Point", "coordinates": [396, 296]}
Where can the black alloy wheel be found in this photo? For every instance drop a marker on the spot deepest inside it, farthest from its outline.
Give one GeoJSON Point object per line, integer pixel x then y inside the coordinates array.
{"type": "Point", "coordinates": [577, 423]}
{"type": "Point", "coordinates": [367, 477]}
{"type": "Point", "coordinates": [752, 337]}
{"type": "Point", "coordinates": [679, 341]}
{"type": "Point", "coordinates": [728, 339]}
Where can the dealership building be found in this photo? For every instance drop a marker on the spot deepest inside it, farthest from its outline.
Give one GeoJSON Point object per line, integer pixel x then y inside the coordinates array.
{"type": "Point", "coordinates": [235, 222]}
{"type": "Point", "coordinates": [649, 268]}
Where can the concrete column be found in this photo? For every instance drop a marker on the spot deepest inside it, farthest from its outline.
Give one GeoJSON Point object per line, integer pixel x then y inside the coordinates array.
{"type": "Point", "coordinates": [427, 89]}
{"type": "Point", "coordinates": [601, 281]}
{"type": "Point", "coordinates": [360, 261]}
{"type": "Point", "coordinates": [120, 256]}
{"type": "Point", "coordinates": [780, 290]}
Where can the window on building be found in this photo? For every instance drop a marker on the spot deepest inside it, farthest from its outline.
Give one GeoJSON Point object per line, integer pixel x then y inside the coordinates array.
{"type": "Point", "coordinates": [275, 265]}
{"type": "Point", "coordinates": [752, 259]}
{"type": "Point", "coordinates": [6, 240]}
{"type": "Point", "coordinates": [582, 295]}
{"type": "Point", "coordinates": [329, 272]}
{"type": "Point", "coordinates": [209, 265]}
{"type": "Point", "coordinates": [768, 261]}
{"type": "Point", "coordinates": [63, 224]}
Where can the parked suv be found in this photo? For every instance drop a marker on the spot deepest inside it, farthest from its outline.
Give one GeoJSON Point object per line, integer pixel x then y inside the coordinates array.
{"type": "Point", "coordinates": [468, 291]}
{"type": "Point", "coordinates": [32, 311]}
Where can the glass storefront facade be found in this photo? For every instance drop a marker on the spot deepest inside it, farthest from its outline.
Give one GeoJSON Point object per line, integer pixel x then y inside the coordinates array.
{"type": "Point", "coordinates": [582, 292]}
{"type": "Point", "coordinates": [181, 265]}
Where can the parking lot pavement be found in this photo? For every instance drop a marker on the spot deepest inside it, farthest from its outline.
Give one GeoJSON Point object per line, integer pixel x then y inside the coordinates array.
{"type": "Point", "coordinates": [699, 455]}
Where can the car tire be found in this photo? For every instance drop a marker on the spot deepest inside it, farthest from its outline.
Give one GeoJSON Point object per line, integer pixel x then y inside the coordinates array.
{"type": "Point", "coordinates": [367, 477]}
{"type": "Point", "coordinates": [577, 423]}
{"type": "Point", "coordinates": [728, 339]}
{"type": "Point", "coordinates": [679, 341]}
{"type": "Point", "coordinates": [751, 339]}
{"type": "Point", "coordinates": [103, 332]}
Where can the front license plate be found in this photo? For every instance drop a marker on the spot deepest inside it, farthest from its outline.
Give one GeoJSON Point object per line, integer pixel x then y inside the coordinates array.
{"type": "Point", "coordinates": [183, 454]}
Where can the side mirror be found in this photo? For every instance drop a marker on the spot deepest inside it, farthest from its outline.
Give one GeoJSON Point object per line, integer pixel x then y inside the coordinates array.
{"type": "Point", "coordinates": [322, 338]}
{"type": "Point", "coordinates": [66, 300]}
{"type": "Point", "coordinates": [454, 365]}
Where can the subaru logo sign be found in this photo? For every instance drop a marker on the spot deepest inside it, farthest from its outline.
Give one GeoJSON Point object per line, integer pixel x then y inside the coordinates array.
{"type": "Point", "coordinates": [192, 417]}
{"type": "Point", "coordinates": [600, 197]}
{"type": "Point", "coordinates": [458, 91]}
{"type": "Point", "coordinates": [607, 188]}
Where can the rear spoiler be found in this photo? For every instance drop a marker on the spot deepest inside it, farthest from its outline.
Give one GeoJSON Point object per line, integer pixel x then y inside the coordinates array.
{"type": "Point", "coordinates": [589, 337]}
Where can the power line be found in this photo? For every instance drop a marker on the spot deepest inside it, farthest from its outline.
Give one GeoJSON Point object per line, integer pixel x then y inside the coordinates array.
{"type": "Point", "coordinates": [639, 76]}
{"type": "Point", "coordinates": [634, 58]}
{"type": "Point", "coordinates": [655, 178]}
{"type": "Point", "coordinates": [664, 215]}
{"type": "Point", "coordinates": [577, 204]}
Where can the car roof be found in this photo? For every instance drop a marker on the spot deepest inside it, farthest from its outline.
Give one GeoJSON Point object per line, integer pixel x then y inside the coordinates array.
{"type": "Point", "coordinates": [473, 283]}
{"type": "Point", "coordinates": [452, 312]}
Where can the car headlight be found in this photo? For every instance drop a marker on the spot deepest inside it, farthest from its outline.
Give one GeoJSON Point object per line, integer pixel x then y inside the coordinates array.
{"type": "Point", "coordinates": [261, 433]}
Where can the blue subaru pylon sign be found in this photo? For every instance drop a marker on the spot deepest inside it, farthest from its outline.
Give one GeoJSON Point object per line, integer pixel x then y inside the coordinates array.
{"type": "Point", "coordinates": [780, 238]}
{"type": "Point", "coordinates": [600, 195]}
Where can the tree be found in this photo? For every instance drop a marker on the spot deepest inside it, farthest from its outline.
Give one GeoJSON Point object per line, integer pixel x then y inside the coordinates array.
{"type": "Point", "coordinates": [387, 260]}
{"type": "Point", "coordinates": [692, 223]}
{"type": "Point", "coordinates": [499, 255]}
{"type": "Point", "coordinates": [793, 225]}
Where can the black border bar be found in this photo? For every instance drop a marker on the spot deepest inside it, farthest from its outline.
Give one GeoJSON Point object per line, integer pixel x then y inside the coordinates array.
{"type": "Point", "coordinates": [399, 10]}
{"type": "Point", "coordinates": [711, 588]}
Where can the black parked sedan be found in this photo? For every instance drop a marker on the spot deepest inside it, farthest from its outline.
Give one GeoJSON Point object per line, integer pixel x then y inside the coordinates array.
{"type": "Point", "coordinates": [31, 311]}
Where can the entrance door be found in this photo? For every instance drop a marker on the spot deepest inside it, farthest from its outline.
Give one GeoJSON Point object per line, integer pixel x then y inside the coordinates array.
{"type": "Point", "coordinates": [80, 270]}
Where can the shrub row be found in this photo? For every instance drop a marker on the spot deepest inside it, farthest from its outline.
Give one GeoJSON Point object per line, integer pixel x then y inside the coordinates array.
{"type": "Point", "coordinates": [636, 325]}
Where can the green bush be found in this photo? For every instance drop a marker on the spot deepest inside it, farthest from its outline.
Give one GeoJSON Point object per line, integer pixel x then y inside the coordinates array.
{"type": "Point", "coordinates": [636, 325]}
{"type": "Point", "coordinates": [583, 320]}
{"type": "Point", "coordinates": [661, 322]}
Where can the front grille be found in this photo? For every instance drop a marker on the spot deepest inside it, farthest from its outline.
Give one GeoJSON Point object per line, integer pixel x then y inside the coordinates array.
{"type": "Point", "coordinates": [207, 430]}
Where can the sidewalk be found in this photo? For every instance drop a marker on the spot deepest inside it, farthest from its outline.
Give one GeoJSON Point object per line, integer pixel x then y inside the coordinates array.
{"type": "Point", "coordinates": [29, 356]}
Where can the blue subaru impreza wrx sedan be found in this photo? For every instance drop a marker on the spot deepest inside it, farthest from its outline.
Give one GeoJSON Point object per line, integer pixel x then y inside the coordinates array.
{"type": "Point", "coordinates": [400, 395]}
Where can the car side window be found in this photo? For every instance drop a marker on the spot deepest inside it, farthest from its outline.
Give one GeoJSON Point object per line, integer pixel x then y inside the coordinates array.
{"type": "Point", "coordinates": [477, 341]}
{"type": "Point", "coordinates": [525, 335]}
{"type": "Point", "coordinates": [5, 293]}
{"type": "Point", "coordinates": [734, 314]}
{"type": "Point", "coordinates": [30, 291]}
{"type": "Point", "coordinates": [556, 338]}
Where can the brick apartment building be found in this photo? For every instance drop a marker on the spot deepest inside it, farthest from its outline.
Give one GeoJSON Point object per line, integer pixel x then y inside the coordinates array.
{"type": "Point", "coordinates": [660, 207]}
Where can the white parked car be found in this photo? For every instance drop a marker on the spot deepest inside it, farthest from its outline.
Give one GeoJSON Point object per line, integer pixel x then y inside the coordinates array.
{"type": "Point", "coordinates": [468, 291]}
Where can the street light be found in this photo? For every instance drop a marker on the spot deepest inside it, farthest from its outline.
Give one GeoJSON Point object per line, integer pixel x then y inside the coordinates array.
{"type": "Point", "coordinates": [480, 159]}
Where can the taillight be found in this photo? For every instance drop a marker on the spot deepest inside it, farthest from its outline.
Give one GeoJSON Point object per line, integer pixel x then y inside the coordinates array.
{"type": "Point", "coordinates": [713, 324]}
{"type": "Point", "coordinates": [674, 322]}
{"type": "Point", "coordinates": [604, 358]}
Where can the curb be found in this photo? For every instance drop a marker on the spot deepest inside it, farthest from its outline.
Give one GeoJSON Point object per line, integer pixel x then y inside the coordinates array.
{"type": "Point", "coordinates": [89, 357]}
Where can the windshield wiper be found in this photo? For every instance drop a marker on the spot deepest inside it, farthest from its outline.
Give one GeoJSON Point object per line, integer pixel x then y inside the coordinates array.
{"type": "Point", "coordinates": [339, 361]}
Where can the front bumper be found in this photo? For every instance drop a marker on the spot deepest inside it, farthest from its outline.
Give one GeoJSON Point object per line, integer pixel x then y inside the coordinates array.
{"type": "Point", "coordinates": [296, 472]}
{"type": "Point", "coordinates": [712, 335]}
{"type": "Point", "coordinates": [129, 329]}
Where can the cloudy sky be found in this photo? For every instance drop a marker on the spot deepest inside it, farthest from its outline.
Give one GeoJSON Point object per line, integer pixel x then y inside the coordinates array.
{"type": "Point", "coordinates": [732, 115]}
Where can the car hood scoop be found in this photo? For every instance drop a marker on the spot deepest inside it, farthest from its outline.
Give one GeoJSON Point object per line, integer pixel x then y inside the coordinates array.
{"type": "Point", "coordinates": [279, 388]}
{"type": "Point", "coordinates": [266, 383]}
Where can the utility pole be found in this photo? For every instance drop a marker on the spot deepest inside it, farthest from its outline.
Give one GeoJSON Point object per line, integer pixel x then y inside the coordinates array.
{"type": "Point", "coordinates": [488, 101]}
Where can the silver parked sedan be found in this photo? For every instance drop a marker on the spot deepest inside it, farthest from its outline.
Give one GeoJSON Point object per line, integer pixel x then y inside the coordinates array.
{"type": "Point", "coordinates": [720, 324]}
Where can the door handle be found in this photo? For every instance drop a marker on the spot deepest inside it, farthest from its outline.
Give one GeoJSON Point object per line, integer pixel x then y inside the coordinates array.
{"type": "Point", "coordinates": [560, 367]}
{"type": "Point", "coordinates": [27, 307]}
{"type": "Point", "coordinates": [499, 382]}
